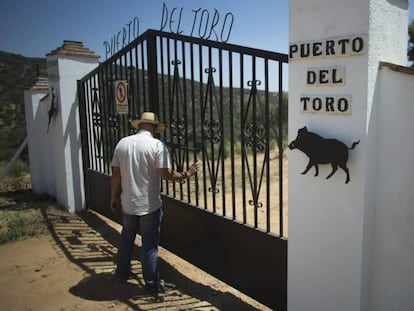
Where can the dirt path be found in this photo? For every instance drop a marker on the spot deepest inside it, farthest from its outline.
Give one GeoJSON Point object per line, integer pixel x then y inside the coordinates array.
{"type": "Point", "coordinates": [71, 269]}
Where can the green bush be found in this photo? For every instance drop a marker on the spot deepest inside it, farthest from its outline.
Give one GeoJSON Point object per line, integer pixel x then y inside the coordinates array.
{"type": "Point", "coordinates": [18, 224]}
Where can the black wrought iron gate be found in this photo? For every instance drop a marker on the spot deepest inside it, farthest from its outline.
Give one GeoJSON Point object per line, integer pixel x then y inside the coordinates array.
{"type": "Point", "coordinates": [223, 105]}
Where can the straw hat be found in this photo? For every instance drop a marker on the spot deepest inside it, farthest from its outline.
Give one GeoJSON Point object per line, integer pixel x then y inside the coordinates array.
{"type": "Point", "coordinates": [148, 117]}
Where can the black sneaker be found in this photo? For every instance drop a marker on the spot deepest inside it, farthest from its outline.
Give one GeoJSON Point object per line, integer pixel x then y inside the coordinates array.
{"type": "Point", "coordinates": [163, 288]}
{"type": "Point", "coordinates": [150, 290]}
{"type": "Point", "coordinates": [166, 287]}
{"type": "Point", "coordinates": [121, 278]}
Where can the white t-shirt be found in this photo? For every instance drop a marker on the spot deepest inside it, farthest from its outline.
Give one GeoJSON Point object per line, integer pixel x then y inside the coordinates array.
{"type": "Point", "coordinates": [138, 156]}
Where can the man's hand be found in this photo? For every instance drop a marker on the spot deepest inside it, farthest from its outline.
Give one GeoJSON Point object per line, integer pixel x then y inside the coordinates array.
{"type": "Point", "coordinates": [169, 174]}
{"type": "Point", "coordinates": [116, 206]}
{"type": "Point", "coordinates": [193, 168]}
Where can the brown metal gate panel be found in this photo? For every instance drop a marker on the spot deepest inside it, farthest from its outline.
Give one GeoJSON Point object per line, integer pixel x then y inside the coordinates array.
{"type": "Point", "coordinates": [223, 105]}
{"type": "Point", "coordinates": [249, 260]}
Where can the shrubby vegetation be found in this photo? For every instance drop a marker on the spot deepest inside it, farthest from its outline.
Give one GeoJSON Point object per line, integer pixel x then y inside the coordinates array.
{"type": "Point", "coordinates": [17, 73]}
{"type": "Point", "coordinates": [16, 225]}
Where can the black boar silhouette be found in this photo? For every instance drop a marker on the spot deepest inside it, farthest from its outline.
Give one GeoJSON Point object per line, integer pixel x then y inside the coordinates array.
{"type": "Point", "coordinates": [322, 151]}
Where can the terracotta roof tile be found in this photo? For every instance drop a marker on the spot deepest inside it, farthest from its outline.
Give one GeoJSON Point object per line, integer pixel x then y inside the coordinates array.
{"type": "Point", "coordinates": [398, 68]}
{"type": "Point", "coordinates": [73, 48]}
{"type": "Point", "coordinates": [41, 83]}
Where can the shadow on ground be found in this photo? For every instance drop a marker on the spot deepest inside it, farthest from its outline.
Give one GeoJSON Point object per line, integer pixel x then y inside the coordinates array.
{"type": "Point", "coordinates": [90, 242]}
{"type": "Point", "coordinates": [22, 199]}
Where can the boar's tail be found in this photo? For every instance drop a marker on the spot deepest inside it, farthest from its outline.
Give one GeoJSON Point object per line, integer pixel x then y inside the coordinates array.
{"type": "Point", "coordinates": [353, 145]}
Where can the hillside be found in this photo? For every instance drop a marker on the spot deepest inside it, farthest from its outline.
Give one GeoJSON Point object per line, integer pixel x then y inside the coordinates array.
{"type": "Point", "coordinates": [17, 73]}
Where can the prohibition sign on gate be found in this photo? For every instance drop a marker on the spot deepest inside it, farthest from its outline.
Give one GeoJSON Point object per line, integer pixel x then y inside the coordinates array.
{"type": "Point", "coordinates": [121, 98]}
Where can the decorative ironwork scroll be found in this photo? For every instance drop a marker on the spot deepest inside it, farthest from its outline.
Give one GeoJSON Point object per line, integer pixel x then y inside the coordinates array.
{"type": "Point", "coordinates": [255, 143]}
{"type": "Point", "coordinates": [97, 124]}
{"type": "Point", "coordinates": [112, 118]}
{"type": "Point", "coordinates": [113, 123]}
{"type": "Point", "coordinates": [178, 128]}
{"type": "Point", "coordinates": [211, 131]}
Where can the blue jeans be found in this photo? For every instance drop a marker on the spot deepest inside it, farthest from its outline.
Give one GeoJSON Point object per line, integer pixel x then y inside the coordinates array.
{"type": "Point", "coordinates": [150, 234]}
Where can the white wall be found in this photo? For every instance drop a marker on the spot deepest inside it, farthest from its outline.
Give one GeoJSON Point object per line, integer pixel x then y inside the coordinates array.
{"type": "Point", "coordinates": [55, 155]}
{"type": "Point", "coordinates": [388, 24]}
{"type": "Point", "coordinates": [332, 226]}
{"type": "Point", "coordinates": [392, 264]}
{"type": "Point", "coordinates": [326, 216]}
{"type": "Point", "coordinates": [42, 170]}
{"type": "Point", "coordinates": [67, 141]}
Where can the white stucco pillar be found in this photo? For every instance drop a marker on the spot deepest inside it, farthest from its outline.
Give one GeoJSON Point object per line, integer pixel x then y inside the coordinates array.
{"type": "Point", "coordinates": [36, 108]}
{"type": "Point", "coordinates": [55, 149]}
{"type": "Point", "coordinates": [65, 66]}
{"type": "Point", "coordinates": [335, 50]}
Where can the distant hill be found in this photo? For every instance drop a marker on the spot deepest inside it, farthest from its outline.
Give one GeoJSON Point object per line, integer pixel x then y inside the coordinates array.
{"type": "Point", "coordinates": [17, 73]}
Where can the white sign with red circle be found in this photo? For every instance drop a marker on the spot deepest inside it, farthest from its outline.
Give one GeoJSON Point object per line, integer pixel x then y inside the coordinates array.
{"type": "Point", "coordinates": [121, 96]}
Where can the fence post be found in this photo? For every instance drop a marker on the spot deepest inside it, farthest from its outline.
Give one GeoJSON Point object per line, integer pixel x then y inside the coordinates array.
{"type": "Point", "coordinates": [84, 137]}
{"type": "Point", "coordinates": [152, 73]}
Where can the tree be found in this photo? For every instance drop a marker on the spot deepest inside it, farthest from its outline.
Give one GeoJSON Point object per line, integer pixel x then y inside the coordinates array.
{"type": "Point", "coordinates": [410, 52]}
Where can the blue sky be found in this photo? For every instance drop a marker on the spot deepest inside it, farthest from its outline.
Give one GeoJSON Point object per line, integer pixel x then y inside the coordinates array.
{"type": "Point", "coordinates": [34, 28]}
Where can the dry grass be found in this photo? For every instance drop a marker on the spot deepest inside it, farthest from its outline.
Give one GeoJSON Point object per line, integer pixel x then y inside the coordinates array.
{"type": "Point", "coordinates": [21, 209]}
{"type": "Point", "coordinates": [236, 202]}
{"type": "Point", "coordinates": [16, 224]}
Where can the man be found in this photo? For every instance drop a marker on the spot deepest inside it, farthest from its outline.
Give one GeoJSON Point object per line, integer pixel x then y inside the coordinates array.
{"type": "Point", "coordinates": [138, 163]}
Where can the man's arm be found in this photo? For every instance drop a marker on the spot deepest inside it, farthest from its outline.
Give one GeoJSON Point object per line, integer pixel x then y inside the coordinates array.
{"type": "Point", "coordinates": [169, 174]}
{"type": "Point", "coordinates": [115, 189]}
